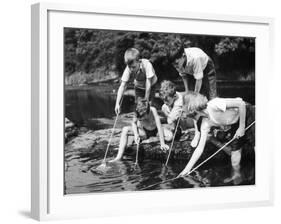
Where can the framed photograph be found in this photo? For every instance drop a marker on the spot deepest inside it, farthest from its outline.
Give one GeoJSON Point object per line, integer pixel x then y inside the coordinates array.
{"type": "Point", "coordinates": [138, 111]}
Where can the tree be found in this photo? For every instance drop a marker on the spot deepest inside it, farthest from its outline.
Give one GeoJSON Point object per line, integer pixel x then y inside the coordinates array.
{"type": "Point", "coordinates": [89, 50]}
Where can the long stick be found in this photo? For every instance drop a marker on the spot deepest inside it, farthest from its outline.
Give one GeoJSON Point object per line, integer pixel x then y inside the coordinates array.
{"type": "Point", "coordinates": [137, 155]}
{"type": "Point", "coordinates": [177, 177]}
{"type": "Point", "coordinates": [226, 144]}
{"type": "Point", "coordinates": [162, 182]}
{"type": "Point", "coordinates": [113, 129]}
{"type": "Point", "coordinates": [170, 150]}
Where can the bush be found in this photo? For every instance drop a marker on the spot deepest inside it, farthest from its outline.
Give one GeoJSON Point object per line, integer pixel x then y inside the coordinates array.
{"type": "Point", "coordinates": [90, 51]}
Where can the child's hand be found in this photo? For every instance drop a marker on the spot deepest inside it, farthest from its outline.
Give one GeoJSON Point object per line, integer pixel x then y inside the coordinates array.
{"type": "Point", "coordinates": [183, 173]}
{"type": "Point", "coordinates": [195, 140]}
{"type": "Point", "coordinates": [117, 109]}
{"type": "Point", "coordinates": [240, 132]}
{"type": "Point", "coordinates": [165, 110]}
{"type": "Point", "coordinates": [164, 147]}
{"type": "Point", "coordinates": [137, 140]}
{"type": "Point", "coordinates": [170, 127]}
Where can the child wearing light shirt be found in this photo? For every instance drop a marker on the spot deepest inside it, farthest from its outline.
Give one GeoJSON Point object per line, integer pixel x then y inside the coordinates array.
{"type": "Point", "coordinates": [141, 73]}
{"type": "Point", "coordinates": [194, 65]}
{"type": "Point", "coordinates": [172, 108]}
{"type": "Point", "coordinates": [198, 73]}
{"type": "Point", "coordinates": [220, 112]}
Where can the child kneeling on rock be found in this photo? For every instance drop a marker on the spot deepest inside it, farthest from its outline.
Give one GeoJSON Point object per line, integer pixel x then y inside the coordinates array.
{"type": "Point", "coordinates": [146, 123]}
{"type": "Point", "coordinates": [219, 113]}
{"type": "Point", "coordinates": [172, 108]}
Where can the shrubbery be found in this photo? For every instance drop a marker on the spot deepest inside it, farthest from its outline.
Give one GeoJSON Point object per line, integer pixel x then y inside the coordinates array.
{"type": "Point", "coordinates": [100, 52]}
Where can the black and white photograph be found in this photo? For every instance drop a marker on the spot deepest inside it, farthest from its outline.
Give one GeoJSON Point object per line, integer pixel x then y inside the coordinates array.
{"type": "Point", "coordinates": [157, 111]}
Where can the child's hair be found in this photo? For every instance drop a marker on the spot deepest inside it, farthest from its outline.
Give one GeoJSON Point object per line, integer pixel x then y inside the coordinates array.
{"type": "Point", "coordinates": [142, 107]}
{"type": "Point", "coordinates": [131, 55]}
{"type": "Point", "coordinates": [167, 89]}
{"type": "Point", "coordinates": [178, 50]}
{"type": "Point", "coordinates": [193, 101]}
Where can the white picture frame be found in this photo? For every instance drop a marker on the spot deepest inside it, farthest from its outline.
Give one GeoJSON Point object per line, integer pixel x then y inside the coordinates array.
{"type": "Point", "coordinates": [48, 201]}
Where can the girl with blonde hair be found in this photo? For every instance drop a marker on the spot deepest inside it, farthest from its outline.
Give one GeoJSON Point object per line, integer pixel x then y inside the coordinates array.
{"type": "Point", "coordinates": [232, 114]}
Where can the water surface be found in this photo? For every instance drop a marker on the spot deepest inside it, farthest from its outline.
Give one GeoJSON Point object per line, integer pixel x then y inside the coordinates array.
{"type": "Point", "coordinates": [93, 108]}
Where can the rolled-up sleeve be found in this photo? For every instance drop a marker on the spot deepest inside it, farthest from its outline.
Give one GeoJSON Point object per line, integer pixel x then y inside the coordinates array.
{"type": "Point", "coordinates": [149, 70]}
{"type": "Point", "coordinates": [198, 69]}
{"type": "Point", "coordinates": [126, 75]}
{"type": "Point", "coordinates": [174, 114]}
{"type": "Point", "coordinates": [218, 104]}
{"type": "Point", "coordinates": [165, 109]}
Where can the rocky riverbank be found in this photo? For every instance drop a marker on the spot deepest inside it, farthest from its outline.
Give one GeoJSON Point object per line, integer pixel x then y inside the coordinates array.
{"type": "Point", "coordinates": [88, 146]}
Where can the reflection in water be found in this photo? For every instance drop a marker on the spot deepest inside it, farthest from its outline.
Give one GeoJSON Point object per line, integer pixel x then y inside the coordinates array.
{"type": "Point", "coordinates": [124, 175]}
{"type": "Point", "coordinates": [94, 107]}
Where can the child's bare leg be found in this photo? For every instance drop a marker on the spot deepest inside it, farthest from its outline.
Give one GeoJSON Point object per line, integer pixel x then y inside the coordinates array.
{"type": "Point", "coordinates": [168, 134]}
{"type": "Point", "coordinates": [196, 138]}
{"type": "Point", "coordinates": [123, 143]}
{"type": "Point", "coordinates": [235, 162]}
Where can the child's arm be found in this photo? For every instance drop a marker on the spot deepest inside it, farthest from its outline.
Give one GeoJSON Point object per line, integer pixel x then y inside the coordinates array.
{"type": "Point", "coordinates": [148, 88]}
{"type": "Point", "coordinates": [196, 137]}
{"type": "Point", "coordinates": [160, 130]}
{"type": "Point", "coordinates": [198, 74]}
{"type": "Point", "coordinates": [238, 103]}
{"type": "Point", "coordinates": [199, 149]}
{"type": "Point", "coordinates": [119, 96]}
{"type": "Point", "coordinates": [135, 130]}
{"type": "Point", "coordinates": [185, 82]}
{"type": "Point", "coordinates": [198, 85]}
{"type": "Point", "coordinates": [165, 110]}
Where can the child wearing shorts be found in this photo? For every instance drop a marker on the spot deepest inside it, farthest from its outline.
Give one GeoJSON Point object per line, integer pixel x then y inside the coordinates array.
{"type": "Point", "coordinates": [220, 113]}
{"type": "Point", "coordinates": [141, 73]}
{"type": "Point", "coordinates": [146, 123]}
{"type": "Point", "coordinates": [198, 73]}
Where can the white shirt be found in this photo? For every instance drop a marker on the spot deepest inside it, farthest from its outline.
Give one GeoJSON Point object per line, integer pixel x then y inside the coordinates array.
{"type": "Point", "coordinates": [196, 62]}
{"type": "Point", "coordinates": [146, 72]}
{"type": "Point", "coordinates": [174, 113]}
{"type": "Point", "coordinates": [219, 115]}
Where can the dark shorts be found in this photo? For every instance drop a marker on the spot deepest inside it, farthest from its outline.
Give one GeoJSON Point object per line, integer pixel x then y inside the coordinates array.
{"type": "Point", "coordinates": [209, 82]}
{"type": "Point", "coordinates": [150, 133]}
{"type": "Point", "coordinates": [140, 93]}
{"type": "Point", "coordinates": [178, 133]}
{"type": "Point", "coordinates": [247, 142]}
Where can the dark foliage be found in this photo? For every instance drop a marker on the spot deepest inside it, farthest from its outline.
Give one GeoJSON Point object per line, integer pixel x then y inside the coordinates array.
{"type": "Point", "coordinates": [89, 51]}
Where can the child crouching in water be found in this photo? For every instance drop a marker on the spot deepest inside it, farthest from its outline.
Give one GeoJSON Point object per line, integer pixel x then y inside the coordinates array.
{"type": "Point", "coordinates": [146, 124]}
{"type": "Point", "coordinates": [233, 113]}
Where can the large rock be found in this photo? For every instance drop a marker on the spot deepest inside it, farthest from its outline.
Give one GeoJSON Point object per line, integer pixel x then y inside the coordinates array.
{"type": "Point", "coordinates": [70, 130]}
{"type": "Point", "coordinates": [92, 145]}
{"type": "Point", "coordinates": [89, 145]}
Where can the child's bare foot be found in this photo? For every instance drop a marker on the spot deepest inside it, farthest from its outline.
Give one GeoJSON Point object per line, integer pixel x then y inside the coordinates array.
{"type": "Point", "coordinates": [150, 140]}
{"type": "Point", "coordinates": [113, 160]}
{"type": "Point", "coordinates": [195, 140]}
{"type": "Point", "coordinates": [236, 179]}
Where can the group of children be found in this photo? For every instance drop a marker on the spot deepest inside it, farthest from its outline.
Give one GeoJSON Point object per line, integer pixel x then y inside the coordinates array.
{"type": "Point", "coordinates": [199, 102]}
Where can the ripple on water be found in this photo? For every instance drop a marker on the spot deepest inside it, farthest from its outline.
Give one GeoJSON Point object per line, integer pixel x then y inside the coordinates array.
{"type": "Point", "coordinates": [124, 175]}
